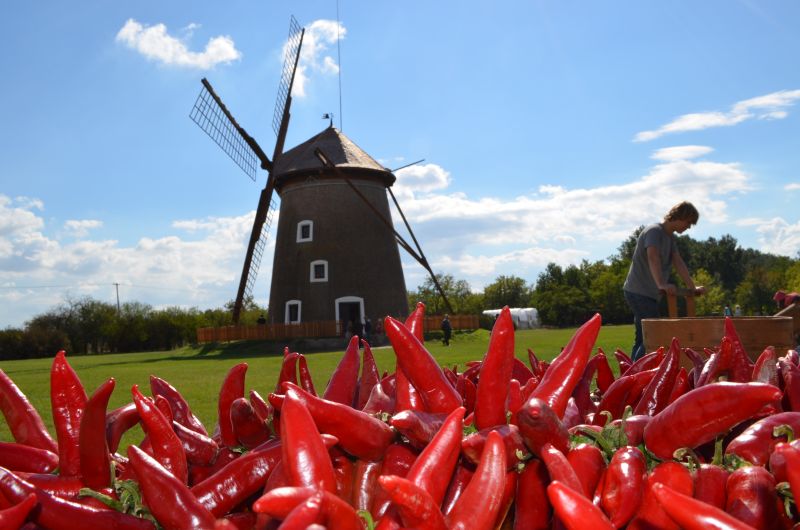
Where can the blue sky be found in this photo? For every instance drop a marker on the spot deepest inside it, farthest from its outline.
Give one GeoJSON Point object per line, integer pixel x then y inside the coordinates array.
{"type": "Point", "coordinates": [550, 130]}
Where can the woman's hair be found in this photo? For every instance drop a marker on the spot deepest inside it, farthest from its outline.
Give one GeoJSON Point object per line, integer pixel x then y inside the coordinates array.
{"type": "Point", "coordinates": [684, 211]}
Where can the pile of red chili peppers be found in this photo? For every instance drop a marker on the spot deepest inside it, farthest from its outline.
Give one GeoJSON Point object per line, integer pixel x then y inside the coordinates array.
{"type": "Point", "coordinates": [680, 439]}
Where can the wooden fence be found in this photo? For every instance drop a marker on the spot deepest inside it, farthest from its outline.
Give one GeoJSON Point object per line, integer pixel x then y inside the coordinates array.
{"type": "Point", "coordinates": [320, 329]}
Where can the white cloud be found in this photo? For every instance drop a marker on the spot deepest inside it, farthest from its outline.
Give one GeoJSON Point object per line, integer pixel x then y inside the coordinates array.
{"type": "Point", "coordinates": [792, 186]}
{"type": "Point", "coordinates": [155, 43]}
{"type": "Point", "coordinates": [681, 152]}
{"type": "Point", "coordinates": [777, 236]}
{"type": "Point", "coordinates": [319, 37]}
{"type": "Point", "coordinates": [767, 107]}
{"type": "Point", "coordinates": [420, 178]}
{"type": "Point", "coordinates": [80, 228]}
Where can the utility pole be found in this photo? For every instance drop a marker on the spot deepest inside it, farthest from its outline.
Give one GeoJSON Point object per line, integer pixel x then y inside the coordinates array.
{"type": "Point", "coordinates": [115, 284]}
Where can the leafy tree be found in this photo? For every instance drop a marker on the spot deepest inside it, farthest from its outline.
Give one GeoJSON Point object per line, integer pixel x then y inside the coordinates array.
{"type": "Point", "coordinates": [511, 291]}
{"type": "Point", "coordinates": [715, 298]}
{"type": "Point", "coordinates": [462, 299]}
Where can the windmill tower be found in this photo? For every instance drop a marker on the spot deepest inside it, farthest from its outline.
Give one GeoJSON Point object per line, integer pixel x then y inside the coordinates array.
{"type": "Point", "coordinates": [336, 250]}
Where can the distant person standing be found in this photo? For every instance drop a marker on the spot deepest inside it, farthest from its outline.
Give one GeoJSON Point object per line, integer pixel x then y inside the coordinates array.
{"type": "Point", "coordinates": [447, 330]}
{"type": "Point", "coordinates": [655, 254]}
{"type": "Point", "coordinates": [737, 311]}
{"type": "Point", "coordinates": [367, 329]}
{"type": "Point", "coordinates": [727, 311]}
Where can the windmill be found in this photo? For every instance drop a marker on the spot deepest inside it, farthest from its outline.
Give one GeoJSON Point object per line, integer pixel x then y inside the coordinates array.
{"type": "Point", "coordinates": [336, 250]}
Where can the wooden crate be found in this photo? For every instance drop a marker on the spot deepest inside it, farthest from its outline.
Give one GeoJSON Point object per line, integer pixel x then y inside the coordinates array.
{"type": "Point", "coordinates": [756, 333]}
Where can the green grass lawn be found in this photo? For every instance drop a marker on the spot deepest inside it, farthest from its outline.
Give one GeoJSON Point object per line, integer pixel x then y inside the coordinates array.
{"type": "Point", "coordinates": [198, 372]}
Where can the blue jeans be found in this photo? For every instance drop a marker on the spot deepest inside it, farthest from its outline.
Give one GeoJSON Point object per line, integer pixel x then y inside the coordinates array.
{"type": "Point", "coordinates": [642, 307]}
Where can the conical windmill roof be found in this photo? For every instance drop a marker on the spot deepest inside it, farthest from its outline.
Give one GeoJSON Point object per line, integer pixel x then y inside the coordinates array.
{"type": "Point", "coordinates": [337, 147]}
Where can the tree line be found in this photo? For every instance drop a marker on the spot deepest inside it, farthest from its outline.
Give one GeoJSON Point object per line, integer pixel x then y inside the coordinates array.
{"type": "Point", "coordinates": [563, 296]}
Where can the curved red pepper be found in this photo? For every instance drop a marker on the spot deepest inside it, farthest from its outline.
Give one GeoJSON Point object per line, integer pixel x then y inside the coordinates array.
{"type": "Point", "coordinates": [369, 375]}
{"type": "Point", "coordinates": [790, 456]}
{"type": "Point", "coordinates": [306, 381]}
{"type": "Point", "coordinates": [26, 458]}
{"type": "Point", "coordinates": [250, 430]}
{"type": "Point", "coordinates": [419, 427]}
{"type": "Point", "coordinates": [260, 406]}
{"type": "Point", "coordinates": [95, 459]}
{"type": "Point", "coordinates": [741, 367]}
{"type": "Point", "coordinates": [365, 483]}
{"type": "Point", "coordinates": [604, 374]}
{"type": "Point", "coordinates": [565, 371]}
{"type": "Point", "coordinates": [232, 388]}
{"type": "Point", "coordinates": [589, 463]}
{"type": "Point", "coordinates": [305, 514]}
{"type": "Point", "coordinates": [575, 510]}
{"type": "Point", "coordinates": [288, 370]}
{"type": "Point", "coordinates": [458, 483]}
{"type": "Point", "coordinates": [359, 434]}
{"type": "Point", "coordinates": [498, 364]}
{"type": "Point", "coordinates": [521, 372]}
{"type": "Point", "coordinates": [239, 478]}
{"type": "Point", "coordinates": [379, 401]}
{"type": "Point", "coordinates": [397, 460]}
{"type": "Point", "coordinates": [199, 449]}
{"type": "Point", "coordinates": [472, 445]}
{"type": "Point", "coordinates": [422, 369]}
{"type": "Point", "coordinates": [559, 468]}
{"type": "Point", "coordinates": [752, 498]}
{"type": "Point", "coordinates": [416, 322]}
{"type": "Point", "coordinates": [56, 513]}
{"type": "Point", "coordinates": [692, 514]}
{"type": "Point", "coordinates": [790, 375]}
{"type": "Point", "coordinates": [710, 483]}
{"type": "Point", "coordinates": [344, 381]}
{"type": "Point", "coordinates": [68, 401]}
{"type": "Point", "coordinates": [417, 509]}
{"type": "Point", "coordinates": [532, 508]}
{"type": "Point", "coordinates": [15, 516]}
{"type": "Point", "coordinates": [435, 464]}
{"type": "Point", "coordinates": [623, 485]}
{"type": "Point", "coordinates": [765, 370]}
{"type": "Point", "coordinates": [650, 514]}
{"type": "Point", "coordinates": [406, 396]}
{"type": "Point", "coordinates": [700, 415]}
{"type": "Point", "coordinates": [479, 506]}
{"type": "Point", "coordinates": [757, 442]}
{"type": "Point", "coordinates": [623, 361]}
{"type": "Point", "coordinates": [118, 422]}
{"type": "Point", "coordinates": [168, 498]}
{"type": "Point", "coordinates": [181, 412]}
{"type": "Point", "coordinates": [306, 461]}
{"type": "Point", "coordinates": [648, 361]}
{"type": "Point", "coordinates": [681, 385]}
{"type": "Point", "coordinates": [167, 447]}
{"type": "Point", "coordinates": [539, 424]}
{"type": "Point", "coordinates": [23, 419]}
{"type": "Point", "coordinates": [337, 514]}
{"type": "Point", "coordinates": [656, 394]}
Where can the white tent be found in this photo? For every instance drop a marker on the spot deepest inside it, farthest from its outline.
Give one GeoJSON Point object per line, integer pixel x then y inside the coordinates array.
{"type": "Point", "coordinates": [524, 317]}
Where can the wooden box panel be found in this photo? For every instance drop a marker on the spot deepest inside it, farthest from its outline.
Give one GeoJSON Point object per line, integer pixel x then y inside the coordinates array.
{"type": "Point", "coordinates": [756, 333]}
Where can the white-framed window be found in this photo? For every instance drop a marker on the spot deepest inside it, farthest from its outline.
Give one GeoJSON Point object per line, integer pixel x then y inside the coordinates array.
{"type": "Point", "coordinates": [292, 314]}
{"type": "Point", "coordinates": [318, 271]}
{"type": "Point", "coordinates": [349, 308]}
{"type": "Point", "coordinates": [305, 231]}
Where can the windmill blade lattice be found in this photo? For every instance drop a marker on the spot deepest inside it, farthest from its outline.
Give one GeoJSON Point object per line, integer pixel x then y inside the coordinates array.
{"type": "Point", "coordinates": [211, 115]}
{"type": "Point", "coordinates": [290, 57]}
{"type": "Point", "coordinates": [258, 251]}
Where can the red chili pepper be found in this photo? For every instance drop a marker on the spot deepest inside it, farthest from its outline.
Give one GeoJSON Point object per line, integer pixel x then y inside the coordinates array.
{"type": "Point", "coordinates": [538, 425]}
{"type": "Point", "coordinates": [790, 374]}
{"type": "Point", "coordinates": [359, 434]}
{"type": "Point", "coordinates": [757, 442]}
{"type": "Point", "coordinates": [168, 498]}
{"type": "Point", "coordinates": [752, 498]}
{"type": "Point", "coordinates": [240, 478]}
{"type": "Point", "coordinates": [60, 514]}
{"type": "Point", "coordinates": [261, 407]}
{"type": "Point", "coordinates": [435, 464]}
{"type": "Point", "coordinates": [14, 517]}
{"type": "Point", "coordinates": [250, 430]}
{"type": "Point", "coordinates": [421, 369]}
{"type": "Point", "coordinates": [344, 380]}
{"type": "Point", "coordinates": [623, 360]}
{"type": "Point", "coordinates": [498, 364]}
{"type": "Point", "coordinates": [790, 455]}
{"type": "Point", "coordinates": [589, 463]}
{"type": "Point", "coordinates": [419, 427]}
{"type": "Point", "coordinates": [532, 507]}
{"type": "Point", "coordinates": [741, 367]}
{"type": "Point", "coordinates": [397, 460]}
{"type": "Point", "coordinates": [559, 468]}
{"type": "Point", "coordinates": [515, 400]}
{"type": "Point", "coordinates": [305, 514]}
{"type": "Point", "coordinates": [765, 369]}
{"type": "Point", "coordinates": [23, 419]}
{"type": "Point", "coordinates": [306, 382]}
{"type": "Point", "coordinates": [66, 487]}
{"type": "Point", "coordinates": [681, 385]}
{"type": "Point", "coordinates": [710, 479]}
{"type": "Point", "coordinates": [472, 445]}
{"type": "Point", "coordinates": [369, 375]}
{"type": "Point", "coordinates": [574, 510]}
{"type": "Point", "coordinates": [306, 461]}
{"type": "Point", "coordinates": [479, 506]}
{"type": "Point", "coordinates": [95, 459]}
{"type": "Point", "coordinates": [581, 395]}
{"type": "Point", "coordinates": [458, 483]}
{"type": "Point", "coordinates": [338, 515]}
{"type": "Point", "coordinates": [468, 391]}
{"type": "Point", "coordinates": [697, 362]}
{"type": "Point", "coordinates": [693, 514]}
{"type": "Point", "coordinates": [406, 396]}
{"type": "Point", "coordinates": [68, 400]}
{"type": "Point", "coordinates": [604, 374]}
{"type": "Point", "coordinates": [615, 398]}
{"type": "Point", "coordinates": [656, 394]}
{"type": "Point", "coordinates": [118, 422]}
{"type": "Point", "coordinates": [232, 388]}
{"type": "Point", "coordinates": [640, 382]}
{"type": "Point", "coordinates": [650, 514]}
{"type": "Point", "coordinates": [365, 484]}
{"type": "Point", "coordinates": [415, 322]}
{"type": "Point", "coordinates": [565, 371]}
{"type": "Point", "coordinates": [167, 447]}
{"type": "Point", "coordinates": [622, 487]}
{"type": "Point", "coordinates": [700, 415]}
{"type": "Point", "coordinates": [521, 372]}
{"type": "Point", "coordinates": [288, 370]}
{"type": "Point", "coordinates": [416, 507]}
{"type": "Point", "coordinates": [379, 401]}
{"type": "Point", "coordinates": [181, 412]}
{"type": "Point", "coordinates": [534, 362]}
{"type": "Point", "coordinates": [26, 458]}
{"type": "Point", "coordinates": [633, 427]}
{"type": "Point", "coordinates": [647, 362]}
{"type": "Point", "coordinates": [199, 449]}
{"type": "Point", "coordinates": [198, 473]}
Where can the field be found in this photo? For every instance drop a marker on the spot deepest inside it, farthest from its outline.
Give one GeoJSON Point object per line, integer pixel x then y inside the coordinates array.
{"type": "Point", "coordinates": [198, 372]}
